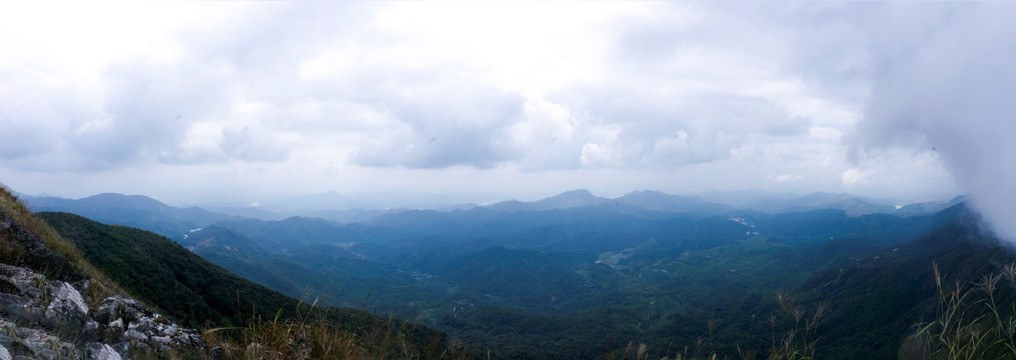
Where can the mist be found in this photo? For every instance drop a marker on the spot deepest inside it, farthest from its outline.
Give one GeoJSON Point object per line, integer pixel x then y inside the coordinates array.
{"type": "Point", "coordinates": [944, 83]}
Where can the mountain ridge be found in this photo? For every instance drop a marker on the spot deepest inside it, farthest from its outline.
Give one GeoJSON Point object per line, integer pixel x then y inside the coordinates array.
{"type": "Point", "coordinates": [111, 207]}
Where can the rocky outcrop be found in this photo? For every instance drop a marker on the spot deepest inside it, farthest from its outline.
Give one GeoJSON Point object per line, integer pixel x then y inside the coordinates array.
{"type": "Point", "coordinates": [51, 319]}
{"type": "Point", "coordinates": [46, 312]}
{"type": "Point", "coordinates": [35, 255]}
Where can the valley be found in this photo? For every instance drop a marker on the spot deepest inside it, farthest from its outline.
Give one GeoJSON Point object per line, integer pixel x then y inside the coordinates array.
{"type": "Point", "coordinates": [576, 276]}
{"type": "Point", "coordinates": [562, 180]}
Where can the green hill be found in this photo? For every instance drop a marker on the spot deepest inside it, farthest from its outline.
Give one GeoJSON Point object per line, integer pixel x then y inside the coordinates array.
{"type": "Point", "coordinates": [167, 276]}
{"type": "Point", "coordinates": [193, 291]}
{"type": "Point", "coordinates": [577, 282]}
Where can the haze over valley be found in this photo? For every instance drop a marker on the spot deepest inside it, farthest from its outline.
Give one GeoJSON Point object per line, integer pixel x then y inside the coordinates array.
{"type": "Point", "coordinates": [517, 278]}
{"type": "Point", "coordinates": [508, 180]}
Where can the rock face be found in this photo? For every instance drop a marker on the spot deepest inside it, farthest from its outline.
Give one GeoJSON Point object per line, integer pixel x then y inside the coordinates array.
{"type": "Point", "coordinates": [35, 254]}
{"type": "Point", "coordinates": [33, 309]}
{"type": "Point", "coordinates": [46, 312]}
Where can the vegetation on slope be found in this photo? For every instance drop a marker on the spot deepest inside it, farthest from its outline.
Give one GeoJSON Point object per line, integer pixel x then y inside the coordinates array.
{"type": "Point", "coordinates": [165, 275]}
{"type": "Point", "coordinates": [193, 291]}
{"type": "Point", "coordinates": [576, 283]}
{"type": "Point", "coordinates": [973, 320]}
{"type": "Point", "coordinates": [10, 206]}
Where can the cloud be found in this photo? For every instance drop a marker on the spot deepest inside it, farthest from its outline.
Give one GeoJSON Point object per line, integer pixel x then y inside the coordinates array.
{"type": "Point", "coordinates": [696, 94]}
{"type": "Point", "coordinates": [784, 178]}
{"type": "Point", "coordinates": [668, 128]}
{"type": "Point", "coordinates": [146, 111]}
{"type": "Point", "coordinates": [440, 119]}
{"type": "Point", "coordinates": [34, 111]}
{"type": "Point", "coordinates": [182, 101]}
{"type": "Point", "coordinates": [252, 144]}
{"type": "Point", "coordinates": [856, 177]}
{"type": "Point", "coordinates": [314, 71]}
{"type": "Point", "coordinates": [944, 84]}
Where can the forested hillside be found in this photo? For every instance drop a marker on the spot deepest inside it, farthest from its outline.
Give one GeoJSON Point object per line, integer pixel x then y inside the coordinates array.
{"type": "Point", "coordinates": [571, 276]}
{"type": "Point", "coordinates": [193, 291]}
{"type": "Point", "coordinates": [574, 275]}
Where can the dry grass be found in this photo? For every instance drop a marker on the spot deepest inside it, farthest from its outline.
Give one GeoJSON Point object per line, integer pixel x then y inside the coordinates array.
{"type": "Point", "coordinates": [313, 336]}
{"type": "Point", "coordinates": [100, 287]}
{"type": "Point", "coordinates": [969, 323]}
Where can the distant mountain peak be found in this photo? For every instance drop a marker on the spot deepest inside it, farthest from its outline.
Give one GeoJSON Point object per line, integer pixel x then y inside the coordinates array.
{"type": "Point", "coordinates": [123, 201]}
{"type": "Point", "coordinates": [574, 194]}
{"type": "Point", "coordinates": [573, 198]}
{"type": "Point", "coordinates": [658, 200]}
{"type": "Point", "coordinates": [645, 193]}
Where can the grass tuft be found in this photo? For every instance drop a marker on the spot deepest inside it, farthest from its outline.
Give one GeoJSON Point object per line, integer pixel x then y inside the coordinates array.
{"type": "Point", "coordinates": [969, 323]}
{"type": "Point", "coordinates": [313, 334]}
{"type": "Point", "coordinates": [100, 287]}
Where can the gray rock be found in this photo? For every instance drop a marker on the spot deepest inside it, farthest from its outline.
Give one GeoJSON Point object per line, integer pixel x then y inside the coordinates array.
{"type": "Point", "coordinates": [167, 330]}
{"type": "Point", "coordinates": [37, 340]}
{"type": "Point", "coordinates": [67, 304]}
{"type": "Point", "coordinates": [99, 351]}
{"type": "Point", "coordinates": [91, 330]}
{"type": "Point", "coordinates": [142, 346]}
{"type": "Point", "coordinates": [47, 354]}
{"type": "Point", "coordinates": [117, 325]}
{"type": "Point", "coordinates": [33, 307]}
{"type": "Point", "coordinates": [135, 335]}
{"type": "Point", "coordinates": [143, 324]}
{"type": "Point", "coordinates": [132, 310]}
{"type": "Point", "coordinates": [192, 340]}
{"type": "Point", "coordinates": [12, 302]}
{"type": "Point", "coordinates": [113, 308]}
{"type": "Point", "coordinates": [26, 281]}
{"type": "Point", "coordinates": [123, 348]}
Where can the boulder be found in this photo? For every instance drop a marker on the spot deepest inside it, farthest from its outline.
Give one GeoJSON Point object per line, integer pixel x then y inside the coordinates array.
{"type": "Point", "coordinates": [47, 306]}
{"type": "Point", "coordinates": [67, 304]}
{"type": "Point", "coordinates": [44, 302]}
{"type": "Point", "coordinates": [100, 351]}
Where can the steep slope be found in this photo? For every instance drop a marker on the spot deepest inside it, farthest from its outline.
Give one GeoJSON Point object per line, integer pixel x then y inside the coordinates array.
{"type": "Point", "coordinates": [876, 300]}
{"type": "Point", "coordinates": [165, 274]}
{"type": "Point", "coordinates": [298, 254]}
{"type": "Point", "coordinates": [54, 304]}
{"type": "Point", "coordinates": [195, 291]}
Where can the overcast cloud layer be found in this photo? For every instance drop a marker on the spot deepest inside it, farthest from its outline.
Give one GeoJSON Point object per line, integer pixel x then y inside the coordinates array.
{"type": "Point", "coordinates": [948, 88]}
{"type": "Point", "coordinates": [203, 103]}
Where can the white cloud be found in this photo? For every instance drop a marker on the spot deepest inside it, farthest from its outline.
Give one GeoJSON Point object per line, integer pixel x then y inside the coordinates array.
{"type": "Point", "coordinates": [785, 178]}
{"type": "Point", "coordinates": [944, 90]}
{"type": "Point", "coordinates": [672, 96]}
{"type": "Point", "coordinates": [856, 177]}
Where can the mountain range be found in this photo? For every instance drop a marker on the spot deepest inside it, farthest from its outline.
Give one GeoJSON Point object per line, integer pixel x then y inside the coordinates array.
{"type": "Point", "coordinates": [549, 262]}
{"type": "Point", "coordinates": [581, 276]}
{"type": "Point", "coordinates": [144, 211]}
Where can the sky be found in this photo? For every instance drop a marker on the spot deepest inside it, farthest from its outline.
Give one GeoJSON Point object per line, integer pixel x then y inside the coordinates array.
{"type": "Point", "coordinates": [238, 103]}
